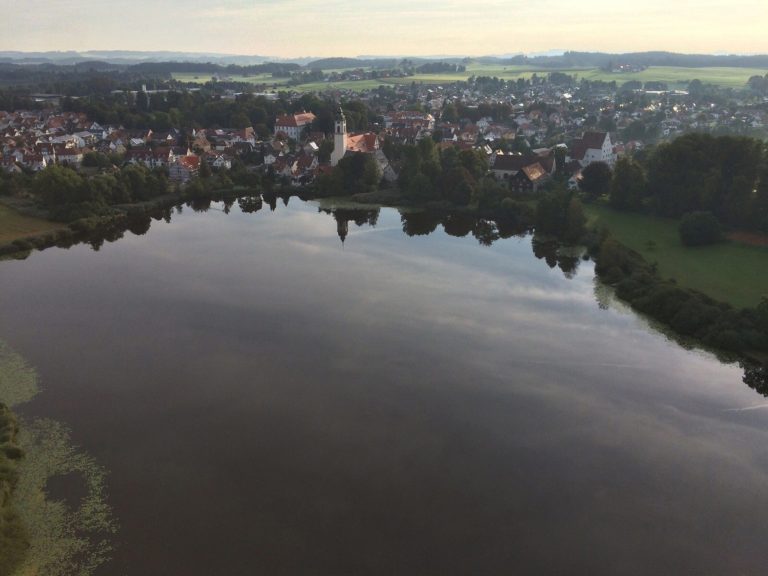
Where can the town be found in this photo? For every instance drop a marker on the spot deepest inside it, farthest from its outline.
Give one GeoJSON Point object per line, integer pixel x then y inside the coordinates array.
{"type": "Point", "coordinates": [528, 130]}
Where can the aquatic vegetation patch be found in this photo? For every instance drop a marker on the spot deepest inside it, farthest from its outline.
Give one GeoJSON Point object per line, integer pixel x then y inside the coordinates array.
{"type": "Point", "coordinates": [40, 535]}
{"type": "Point", "coordinates": [65, 538]}
{"type": "Point", "coordinates": [18, 381]}
{"type": "Point", "coordinates": [13, 536]}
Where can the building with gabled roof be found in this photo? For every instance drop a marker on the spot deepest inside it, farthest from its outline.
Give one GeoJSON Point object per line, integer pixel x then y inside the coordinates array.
{"type": "Point", "coordinates": [184, 168]}
{"type": "Point", "coordinates": [292, 125]}
{"type": "Point", "coordinates": [593, 147]}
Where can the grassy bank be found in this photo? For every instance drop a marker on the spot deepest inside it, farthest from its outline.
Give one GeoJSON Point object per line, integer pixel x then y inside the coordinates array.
{"type": "Point", "coordinates": [14, 226]}
{"type": "Point", "coordinates": [729, 272]}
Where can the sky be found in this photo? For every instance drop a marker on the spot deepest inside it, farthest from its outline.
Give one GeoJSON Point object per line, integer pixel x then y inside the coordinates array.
{"type": "Point", "coordinates": [296, 28]}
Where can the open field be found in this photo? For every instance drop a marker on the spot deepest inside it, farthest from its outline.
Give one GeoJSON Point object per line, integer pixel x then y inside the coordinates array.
{"type": "Point", "coordinates": [13, 225]}
{"type": "Point", "coordinates": [343, 85]}
{"type": "Point", "coordinates": [730, 272]}
{"type": "Point", "coordinates": [676, 77]}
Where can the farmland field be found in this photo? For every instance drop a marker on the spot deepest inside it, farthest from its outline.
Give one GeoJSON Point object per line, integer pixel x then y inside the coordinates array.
{"type": "Point", "coordinates": [675, 77]}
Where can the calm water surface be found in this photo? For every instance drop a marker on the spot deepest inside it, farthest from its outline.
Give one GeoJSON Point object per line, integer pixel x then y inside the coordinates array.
{"type": "Point", "coordinates": [270, 401]}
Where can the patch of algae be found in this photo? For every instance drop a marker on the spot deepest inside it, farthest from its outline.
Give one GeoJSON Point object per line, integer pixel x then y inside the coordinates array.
{"type": "Point", "coordinates": [18, 381]}
{"type": "Point", "coordinates": [64, 539]}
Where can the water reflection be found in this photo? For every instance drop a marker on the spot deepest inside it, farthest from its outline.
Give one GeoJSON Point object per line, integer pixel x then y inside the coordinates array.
{"type": "Point", "coordinates": [756, 377]}
{"type": "Point", "coordinates": [267, 403]}
{"type": "Point", "coordinates": [413, 222]}
{"type": "Point", "coordinates": [248, 204]}
{"type": "Point", "coordinates": [343, 216]}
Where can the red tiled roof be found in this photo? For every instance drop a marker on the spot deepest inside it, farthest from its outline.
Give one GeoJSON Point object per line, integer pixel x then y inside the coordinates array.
{"type": "Point", "coordinates": [190, 162]}
{"type": "Point", "coordinates": [294, 120]}
{"type": "Point", "coordinates": [367, 142]}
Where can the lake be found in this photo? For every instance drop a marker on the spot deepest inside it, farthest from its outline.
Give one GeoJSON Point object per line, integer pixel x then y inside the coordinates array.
{"type": "Point", "coordinates": [269, 400]}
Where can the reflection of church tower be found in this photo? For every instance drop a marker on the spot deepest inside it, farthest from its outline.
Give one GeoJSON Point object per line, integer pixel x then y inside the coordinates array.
{"type": "Point", "coordinates": [342, 227]}
{"type": "Point", "coordinates": [339, 137]}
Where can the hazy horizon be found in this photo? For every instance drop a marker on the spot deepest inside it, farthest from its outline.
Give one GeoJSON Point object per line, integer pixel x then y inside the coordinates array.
{"type": "Point", "coordinates": [310, 28]}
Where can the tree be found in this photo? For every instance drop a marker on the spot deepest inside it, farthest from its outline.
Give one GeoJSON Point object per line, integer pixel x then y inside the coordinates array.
{"type": "Point", "coordinates": [606, 124]}
{"type": "Point", "coordinates": [57, 185]}
{"type": "Point", "coordinates": [699, 172]}
{"type": "Point", "coordinates": [596, 180]}
{"type": "Point", "coordinates": [325, 151]}
{"type": "Point", "coordinates": [449, 114]}
{"type": "Point", "coordinates": [552, 212]}
{"type": "Point", "coordinates": [575, 222]}
{"type": "Point", "coordinates": [699, 229]}
{"type": "Point", "coordinates": [357, 173]}
{"type": "Point", "coordinates": [628, 185]}
{"type": "Point", "coordinates": [760, 203]}
{"type": "Point", "coordinates": [635, 131]}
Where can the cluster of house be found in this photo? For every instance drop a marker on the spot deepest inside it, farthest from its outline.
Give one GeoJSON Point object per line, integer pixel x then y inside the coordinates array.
{"type": "Point", "coordinates": [35, 140]}
{"type": "Point", "coordinates": [528, 172]}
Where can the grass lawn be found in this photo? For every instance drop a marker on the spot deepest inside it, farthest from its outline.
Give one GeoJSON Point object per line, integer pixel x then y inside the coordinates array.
{"type": "Point", "coordinates": [13, 225]}
{"type": "Point", "coordinates": [730, 272]}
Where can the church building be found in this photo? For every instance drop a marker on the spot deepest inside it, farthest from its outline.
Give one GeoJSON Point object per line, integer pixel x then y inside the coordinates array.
{"type": "Point", "coordinates": [361, 143]}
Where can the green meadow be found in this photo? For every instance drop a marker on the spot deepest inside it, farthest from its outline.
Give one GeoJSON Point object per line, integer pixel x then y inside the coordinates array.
{"type": "Point", "coordinates": [731, 272]}
{"type": "Point", "coordinates": [676, 77]}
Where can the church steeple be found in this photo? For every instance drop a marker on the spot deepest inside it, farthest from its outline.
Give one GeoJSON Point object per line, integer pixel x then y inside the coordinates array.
{"type": "Point", "coordinates": [340, 125]}
{"type": "Point", "coordinates": [339, 137]}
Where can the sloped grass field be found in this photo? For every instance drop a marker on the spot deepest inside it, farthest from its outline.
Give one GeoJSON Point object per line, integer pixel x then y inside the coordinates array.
{"type": "Point", "coordinates": [14, 225]}
{"type": "Point", "coordinates": [730, 272]}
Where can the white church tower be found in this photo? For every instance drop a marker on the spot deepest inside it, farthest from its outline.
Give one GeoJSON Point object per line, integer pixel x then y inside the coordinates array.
{"type": "Point", "coordinates": [339, 137]}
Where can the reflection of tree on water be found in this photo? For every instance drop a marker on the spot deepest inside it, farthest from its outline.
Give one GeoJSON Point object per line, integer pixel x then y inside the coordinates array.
{"type": "Point", "coordinates": [509, 227]}
{"type": "Point", "coordinates": [485, 231]}
{"type": "Point", "coordinates": [229, 202]}
{"type": "Point", "coordinates": [250, 204]}
{"type": "Point", "coordinates": [419, 223]}
{"type": "Point", "coordinates": [270, 198]}
{"type": "Point", "coordinates": [756, 377]}
{"type": "Point", "coordinates": [139, 224]}
{"type": "Point", "coordinates": [200, 204]}
{"type": "Point", "coordinates": [566, 258]}
{"type": "Point", "coordinates": [545, 250]}
{"type": "Point", "coordinates": [458, 225]}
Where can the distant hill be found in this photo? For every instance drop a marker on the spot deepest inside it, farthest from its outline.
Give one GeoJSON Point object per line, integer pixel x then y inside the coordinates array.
{"type": "Point", "coordinates": [337, 63]}
{"type": "Point", "coordinates": [187, 61]}
{"type": "Point", "coordinates": [127, 57]}
{"type": "Point", "coordinates": [600, 59]}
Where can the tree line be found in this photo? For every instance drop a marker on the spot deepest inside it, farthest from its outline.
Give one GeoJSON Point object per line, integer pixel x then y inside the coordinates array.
{"type": "Point", "coordinates": [726, 176]}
